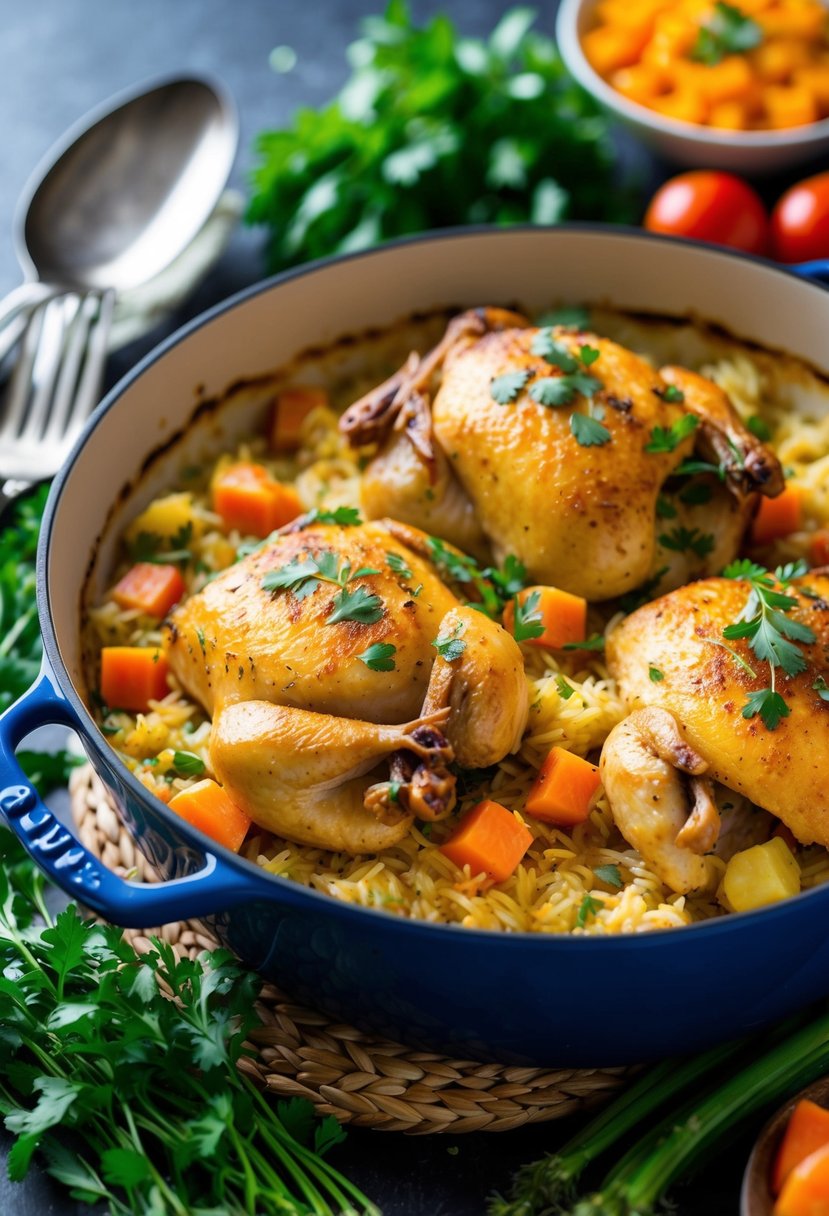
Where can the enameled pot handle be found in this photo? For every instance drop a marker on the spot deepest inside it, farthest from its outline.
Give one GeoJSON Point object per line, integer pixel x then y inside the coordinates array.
{"type": "Point", "coordinates": [817, 271]}
{"type": "Point", "coordinates": [69, 864]}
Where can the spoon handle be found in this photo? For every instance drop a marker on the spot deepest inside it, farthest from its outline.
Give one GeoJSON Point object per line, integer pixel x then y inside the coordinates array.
{"type": "Point", "coordinates": [17, 305]}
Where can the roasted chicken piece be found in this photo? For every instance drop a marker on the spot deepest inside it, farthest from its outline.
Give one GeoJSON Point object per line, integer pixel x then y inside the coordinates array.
{"type": "Point", "coordinates": [328, 651]}
{"type": "Point", "coordinates": [700, 685]}
{"type": "Point", "coordinates": [578, 507]}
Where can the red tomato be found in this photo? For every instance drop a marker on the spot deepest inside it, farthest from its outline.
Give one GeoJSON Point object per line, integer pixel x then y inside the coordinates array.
{"type": "Point", "coordinates": [709, 206]}
{"type": "Point", "coordinates": [800, 221]}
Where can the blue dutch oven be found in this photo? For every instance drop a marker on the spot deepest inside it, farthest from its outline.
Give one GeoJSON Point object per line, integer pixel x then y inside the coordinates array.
{"type": "Point", "coordinates": [558, 1001]}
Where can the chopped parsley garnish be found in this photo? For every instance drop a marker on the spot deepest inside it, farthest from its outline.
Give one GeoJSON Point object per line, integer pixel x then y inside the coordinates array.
{"type": "Point", "coordinates": [727, 32]}
{"type": "Point", "coordinates": [759, 427]}
{"type": "Point", "coordinates": [553, 352]}
{"type": "Point", "coordinates": [379, 657]}
{"type": "Point", "coordinates": [344, 516]}
{"type": "Point", "coordinates": [495, 587]}
{"type": "Point", "coordinates": [200, 638]}
{"type": "Point", "coordinates": [587, 910]}
{"type": "Point", "coordinates": [504, 389]}
{"type": "Point", "coordinates": [668, 438]}
{"type": "Point", "coordinates": [394, 791]}
{"type": "Point", "coordinates": [609, 874]}
{"type": "Point", "coordinates": [689, 468]}
{"type": "Point", "coordinates": [565, 690]}
{"type": "Point", "coordinates": [302, 576]}
{"type": "Point", "coordinates": [588, 431]}
{"type": "Point", "coordinates": [770, 633]}
{"type": "Point", "coordinates": [655, 675]}
{"type": "Point", "coordinates": [665, 509]}
{"type": "Point", "coordinates": [552, 391]}
{"type": "Point", "coordinates": [821, 688]}
{"type": "Point", "coordinates": [588, 355]}
{"type": "Point", "coordinates": [163, 550]}
{"type": "Point", "coordinates": [397, 565]}
{"type": "Point", "coordinates": [673, 394]}
{"type": "Point", "coordinates": [358, 605]}
{"type": "Point", "coordinates": [188, 764]}
{"type": "Point", "coordinates": [594, 642]}
{"type": "Point", "coordinates": [684, 540]}
{"type": "Point", "coordinates": [527, 617]}
{"type": "Point", "coordinates": [450, 646]}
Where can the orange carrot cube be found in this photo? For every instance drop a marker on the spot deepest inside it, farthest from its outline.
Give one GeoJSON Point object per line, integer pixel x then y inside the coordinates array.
{"type": "Point", "coordinates": [806, 1190]}
{"type": "Point", "coordinates": [249, 500]}
{"type": "Point", "coordinates": [132, 676]}
{"type": "Point", "coordinates": [207, 807]}
{"type": "Point", "coordinates": [490, 839]}
{"type": "Point", "coordinates": [149, 587]}
{"type": "Point", "coordinates": [291, 408]}
{"type": "Point", "coordinates": [777, 517]}
{"type": "Point", "coordinates": [564, 790]}
{"type": "Point", "coordinates": [563, 616]}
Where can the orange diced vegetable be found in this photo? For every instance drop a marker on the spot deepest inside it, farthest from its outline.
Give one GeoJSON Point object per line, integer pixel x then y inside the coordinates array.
{"type": "Point", "coordinates": [795, 21]}
{"type": "Point", "coordinates": [207, 807]}
{"type": "Point", "coordinates": [777, 58]}
{"type": "Point", "coordinates": [291, 408]}
{"type": "Point", "coordinates": [807, 1131]}
{"type": "Point", "coordinates": [806, 1190]}
{"type": "Point", "coordinates": [641, 83]}
{"type": "Point", "coordinates": [684, 105]}
{"type": "Point", "coordinates": [132, 676]}
{"type": "Point", "coordinates": [613, 47]}
{"type": "Point", "coordinates": [779, 516]}
{"type": "Point", "coordinates": [730, 80]}
{"type": "Point", "coordinates": [815, 80]}
{"type": "Point", "coordinates": [150, 588]}
{"type": "Point", "coordinates": [819, 548]}
{"type": "Point", "coordinates": [564, 616]}
{"type": "Point", "coordinates": [564, 789]}
{"type": "Point", "coordinates": [789, 106]}
{"type": "Point", "coordinates": [249, 500]}
{"type": "Point", "coordinates": [729, 116]}
{"type": "Point", "coordinates": [489, 839]}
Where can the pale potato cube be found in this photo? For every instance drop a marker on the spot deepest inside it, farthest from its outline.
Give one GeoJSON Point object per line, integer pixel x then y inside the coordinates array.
{"type": "Point", "coordinates": [165, 517]}
{"type": "Point", "coordinates": [761, 875]}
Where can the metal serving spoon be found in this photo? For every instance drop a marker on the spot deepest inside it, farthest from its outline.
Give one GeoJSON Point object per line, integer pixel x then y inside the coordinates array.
{"type": "Point", "coordinates": [122, 194]}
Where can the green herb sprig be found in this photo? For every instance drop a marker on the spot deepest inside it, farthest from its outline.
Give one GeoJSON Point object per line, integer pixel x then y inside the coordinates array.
{"type": "Point", "coordinates": [728, 32]}
{"type": "Point", "coordinates": [771, 634]}
{"type": "Point", "coordinates": [133, 1099]}
{"type": "Point", "coordinates": [302, 576]}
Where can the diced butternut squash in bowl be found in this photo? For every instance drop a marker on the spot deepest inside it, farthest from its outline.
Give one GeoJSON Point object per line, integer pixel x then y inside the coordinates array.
{"type": "Point", "coordinates": [763, 874]}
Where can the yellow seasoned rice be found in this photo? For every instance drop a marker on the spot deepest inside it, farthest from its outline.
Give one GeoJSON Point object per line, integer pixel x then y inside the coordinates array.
{"type": "Point", "coordinates": [555, 889]}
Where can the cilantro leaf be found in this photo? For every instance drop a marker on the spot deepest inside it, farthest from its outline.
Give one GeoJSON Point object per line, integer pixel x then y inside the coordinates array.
{"type": "Point", "coordinates": [587, 910]}
{"type": "Point", "coordinates": [668, 438]}
{"type": "Point", "coordinates": [821, 688]}
{"type": "Point", "coordinates": [379, 656]}
{"type": "Point", "coordinates": [565, 689]}
{"type": "Point", "coordinates": [609, 874]}
{"type": "Point", "coordinates": [727, 32]}
{"type": "Point", "coordinates": [527, 621]}
{"type": "Point", "coordinates": [358, 605]}
{"type": "Point", "coordinates": [665, 509]}
{"type": "Point", "coordinates": [655, 675]}
{"type": "Point", "coordinates": [695, 494]}
{"type": "Point", "coordinates": [553, 391]}
{"type": "Point", "coordinates": [684, 540]}
{"type": "Point", "coordinates": [595, 642]}
{"type": "Point", "coordinates": [397, 565]}
{"type": "Point", "coordinates": [552, 351]}
{"type": "Point", "coordinates": [673, 394]}
{"type": "Point", "coordinates": [588, 355]}
{"type": "Point", "coordinates": [188, 764]}
{"type": "Point", "coordinates": [588, 431]}
{"type": "Point", "coordinates": [297, 575]}
{"type": "Point", "coordinates": [759, 427]}
{"type": "Point", "coordinates": [769, 705]}
{"type": "Point", "coordinates": [344, 516]}
{"type": "Point", "coordinates": [450, 646]}
{"type": "Point", "coordinates": [505, 388]}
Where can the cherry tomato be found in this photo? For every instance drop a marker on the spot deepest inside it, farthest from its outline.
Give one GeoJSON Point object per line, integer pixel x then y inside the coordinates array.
{"type": "Point", "coordinates": [800, 221]}
{"type": "Point", "coordinates": [709, 206]}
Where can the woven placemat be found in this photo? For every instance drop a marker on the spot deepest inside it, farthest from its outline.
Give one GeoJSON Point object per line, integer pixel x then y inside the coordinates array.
{"type": "Point", "coordinates": [345, 1072]}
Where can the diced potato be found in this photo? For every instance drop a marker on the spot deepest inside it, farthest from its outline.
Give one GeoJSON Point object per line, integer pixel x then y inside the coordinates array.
{"type": "Point", "coordinates": [164, 517]}
{"type": "Point", "coordinates": [761, 875]}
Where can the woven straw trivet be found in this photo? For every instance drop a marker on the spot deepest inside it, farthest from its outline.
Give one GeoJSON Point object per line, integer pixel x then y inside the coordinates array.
{"type": "Point", "coordinates": [345, 1072]}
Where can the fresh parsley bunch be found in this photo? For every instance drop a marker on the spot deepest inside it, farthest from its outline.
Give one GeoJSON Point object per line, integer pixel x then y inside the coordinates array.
{"type": "Point", "coordinates": [431, 130]}
{"type": "Point", "coordinates": [133, 1098]}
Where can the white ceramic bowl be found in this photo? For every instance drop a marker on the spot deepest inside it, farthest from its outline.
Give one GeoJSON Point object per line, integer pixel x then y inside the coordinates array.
{"type": "Point", "coordinates": [752, 152]}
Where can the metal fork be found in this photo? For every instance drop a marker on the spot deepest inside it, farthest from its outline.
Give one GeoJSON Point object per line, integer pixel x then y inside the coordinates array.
{"type": "Point", "coordinates": [54, 387]}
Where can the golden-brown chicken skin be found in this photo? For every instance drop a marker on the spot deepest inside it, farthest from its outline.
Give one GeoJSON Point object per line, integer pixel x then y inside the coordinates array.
{"type": "Point", "coordinates": [305, 711]}
{"type": "Point", "coordinates": [705, 689]}
{"type": "Point", "coordinates": [579, 515]}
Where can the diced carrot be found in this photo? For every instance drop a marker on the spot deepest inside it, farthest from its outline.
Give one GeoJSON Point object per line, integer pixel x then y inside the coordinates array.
{"type": "Point", "coordinates": [779, 516]}
{"type": "Point", "coordinates": [132, 676]}
{"type": "Point", "coordinates": [640, 83]}
{"type": "Point", "coordinates": [564, 789]}
{"type": "Point", "coordinates": [806, 1191]}
{"type": "Point", "coordinates": [776, 59]}
{"type": "Point", "coordinates": [564, 616]}
{"type": "Point", "coordinates": [789, 106]}
{"type": "Point", "coordinates": [795, 21]}
{"type": "Point", "coordinates": [207, 807]}
{"type": "Point", "coordinates": [613, 47]}
{"type": "Point", "coordinates": [729, 116]}
{"type": "Point", "coordinates": [489, 839]}
{"type": "Point", "coordinates": [815, 79]}
{"type": "Point", "coordinates": [730, 80]}
{"type": "Point", "coordinates": [249, 500]}
{"type": "Point", "coordinates": [806, 1131]}
{"type": "Point", "coordinates": [291, 408]}
{"type": "Point", "coordinates": [684, 105]}
{"type": "Point", "coordinates": [150, 588]}
{"type": "Point", "coordinates": [819, 548]}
